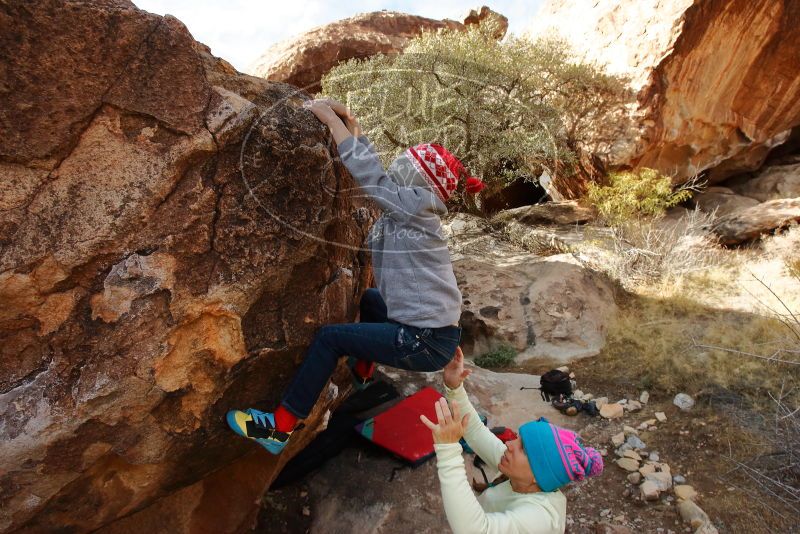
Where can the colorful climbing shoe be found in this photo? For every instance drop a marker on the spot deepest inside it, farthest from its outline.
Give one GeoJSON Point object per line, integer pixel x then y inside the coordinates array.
{"type": "Point", "coordinates": [258, 426]}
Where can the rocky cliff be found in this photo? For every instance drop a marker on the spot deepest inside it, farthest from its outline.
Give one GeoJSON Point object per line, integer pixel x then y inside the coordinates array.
{"type": "Point", "coordinates": [718, 80]}
{"type": "Point", "coordinates": [172, 233]}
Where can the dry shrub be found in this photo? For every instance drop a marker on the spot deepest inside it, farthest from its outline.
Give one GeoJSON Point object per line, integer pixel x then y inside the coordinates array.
{"type": "Point", "coordinates": [786, 247]}
{"type": "Point", "coordinates": [649, 251]}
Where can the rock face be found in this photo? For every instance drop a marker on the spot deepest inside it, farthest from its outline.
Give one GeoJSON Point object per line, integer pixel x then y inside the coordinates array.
{"type": "Point", "coordinates": [723, 200]}
{"type": "Point", "coordinates": [303, 60]}
{"type": "Point", "coordinates": [171, 235]}
{"type": "Point", "coordinates": [549, 307]}
{"type": "Point", "coordinates": [747, 224]}
{"type": "Point", "coordinates": [704, 101]}
{"type": "Point", "coordinates": [772, 183]}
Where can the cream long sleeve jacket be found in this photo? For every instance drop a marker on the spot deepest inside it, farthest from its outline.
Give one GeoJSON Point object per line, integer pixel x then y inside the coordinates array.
{"type": "Point", "coordinates": [499, 509]}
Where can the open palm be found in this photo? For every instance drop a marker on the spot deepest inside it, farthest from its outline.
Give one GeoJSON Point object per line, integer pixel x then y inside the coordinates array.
{"type": "Point", "coordinates": [454, 372]}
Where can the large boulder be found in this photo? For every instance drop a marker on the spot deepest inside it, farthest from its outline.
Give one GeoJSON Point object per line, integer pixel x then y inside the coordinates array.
{"type": "Point", "coordinates": [722, 201]}
{"type": "Point", "coordinates": [303, 60]}
{"type": "Point", "coordinates": [704, 99]}
{"type": "Point", "coordinates": [772, 183]}
{"type": "Point", "coordinates": [554, 308]}
{"type": "Point", "coordinates": [171, 235]}
{"type": "Point", "coordinates": [750, 223]}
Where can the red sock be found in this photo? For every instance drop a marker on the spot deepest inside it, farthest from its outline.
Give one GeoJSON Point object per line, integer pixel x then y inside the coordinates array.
{"type": "Point", "coordinates": [364, 369]}
{"type": "Point", "coordinates": [284, 419]}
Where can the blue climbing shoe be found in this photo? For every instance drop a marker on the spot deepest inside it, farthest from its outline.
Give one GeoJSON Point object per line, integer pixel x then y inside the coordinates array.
{"type": "Point", "coordinates": [258, 426]}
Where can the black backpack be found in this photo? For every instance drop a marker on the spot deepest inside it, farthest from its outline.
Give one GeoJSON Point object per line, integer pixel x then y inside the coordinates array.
{"type": "Point", "coordinates": [554, 384]}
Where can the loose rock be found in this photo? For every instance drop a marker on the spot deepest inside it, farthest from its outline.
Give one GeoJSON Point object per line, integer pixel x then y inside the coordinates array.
{"type": "Point", "coordinates": [618, 439]}
{"type": "Point", "coordinates": [601, 401]}
{"type": "Point", "coordinates": [692, 514]}
{"type": "Point", "coordinates": [635, 478]}
{"type": "Point", "coordinates": [661, 416]}
{"type": "Point", "coordinates": [633, 455]}
{"type": "Point", "coordinates": [653, 457]}
{"type": "Point", "coordinates": [662, 480]}
{"type": "Point", "coordinates": [678, 479]}
{"type": "Point", "coordinates": [685, 492]}
{"type": "Point", "coordinates": [649, 491]}
{"type": "Point", "coordinates": [633, 406]}
{"type": "Point", "coordinates": [611, 411]}
{"type": "Point", "coordinates": [644, 397]}
{"type": "Point", "coordinates": [628, 464]}
{"type": "Point", "coordinates": [683, 401]}
{"type": "Point", "coordinates": [635, 442]}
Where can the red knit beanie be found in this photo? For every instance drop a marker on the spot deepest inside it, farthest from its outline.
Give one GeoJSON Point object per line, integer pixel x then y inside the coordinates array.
{"type": "Point", "coordinates": [441, 169]}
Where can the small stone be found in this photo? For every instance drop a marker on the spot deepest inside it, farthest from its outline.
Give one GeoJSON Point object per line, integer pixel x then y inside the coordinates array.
{"type": "Point", "coordinates": [683, 401]}
{"type": "Point", "coordinates": [679, 479]}
{"type": "Point", "coordinates": [707, 528]}
{"type": "Point", "coordinates": [608, 528]}
{"type": "Point", "coordinates": [588, 396]}
{"type": "Point", "coordinates": [306, 511]}
{"type": "Point", "coordinates": [634, 478]}
{"type": "Point", "coordinates": [664, 468]}
{"type": "Point", "coordinates": [633, 406]}
{"type": "Point", "coordinates": [635, 442]}
{"type": "Point", "coordinates": [618, 439]}
{"type": "Point", "coordinates": [622, 401]}
{"type": "Point", "coordinates": [629, 430]}
{"type": "Point", "coordinates": [653, 456]}
{"type": "Point", "coordinates": [572, 376]}
{"type": "Point", "coordinates": [661, 416]}
{"type": "Point", "coordinates": [304, 493]}
{"type": "Point", "coordinates": [685, 492]}
{"type": "Point", "coordinates": [692, 514]}
{"type": "Point", "coordinates": [622, 448]}
{"type": "Point", "coordinates": [611, 411]}
{"type": "Point", "coordinates": [644, 397]}
{"type": "Point", "coordinates": [563, 369]}
{"type": "Point", "coordinates": [628, 464]}
{"type": "Point", "coordinates": [649, 491]}
{"type": "Point", "coordinates": [646, 469]}
{"type": "Point", "coordinates": [633, 455]}
{"type": "Point", "coordinates": [578, 394]}
{"type": "Point", "coordinates": [600, 402]}
{"type": "Point", "coordinates": [603, 452]}
{"type": "Point", "coordinates": [662, 480]}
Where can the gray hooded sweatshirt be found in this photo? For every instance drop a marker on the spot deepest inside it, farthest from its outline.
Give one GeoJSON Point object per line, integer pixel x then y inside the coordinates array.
{"type": "Point", "coordinates": [410, 258]}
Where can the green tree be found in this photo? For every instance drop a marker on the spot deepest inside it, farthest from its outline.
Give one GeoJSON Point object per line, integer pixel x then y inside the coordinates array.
{"type": "Point", "coordinates": [507, 109]}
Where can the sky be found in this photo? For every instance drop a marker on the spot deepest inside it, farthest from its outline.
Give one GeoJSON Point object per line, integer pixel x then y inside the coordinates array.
{"type": "Point", "coordinates": [239, 31]}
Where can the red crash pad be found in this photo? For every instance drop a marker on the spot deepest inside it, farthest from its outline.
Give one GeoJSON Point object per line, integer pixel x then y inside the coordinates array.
{"type": "Point", "coordinates": [399, 429]}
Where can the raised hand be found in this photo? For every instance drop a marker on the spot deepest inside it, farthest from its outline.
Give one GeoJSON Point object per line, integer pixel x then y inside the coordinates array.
{"type": "Point", "coordinates": [454, 372]}
{"type": "Point", "coordinates": [344, 113]}
{"type": "Point", "coordinates": [449, 428]}
{"type": "Point", "coordinates": [323, 111]}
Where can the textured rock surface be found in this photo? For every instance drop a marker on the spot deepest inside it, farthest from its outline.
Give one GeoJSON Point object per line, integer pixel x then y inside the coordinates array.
{"type": "Point", "coordinates": [772, 183]}
{"type": "Point", "coordinates": [565, 213]}
{"type": "Point", "coordinates": [149, 280]}
{"type": "Point", "coordinates": [723, 200]}
{"type": "Point", "coordinates": [303, 60]}
{"type": "Point", "coordinates": [705, 101]}
{"type": "Point", "coordinates": [550, 306]}
{"type": "Point", "coordinates": [750, 223]}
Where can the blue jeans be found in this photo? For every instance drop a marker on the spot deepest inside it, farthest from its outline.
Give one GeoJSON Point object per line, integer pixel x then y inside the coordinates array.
{"type": "Point", "coordinates": [376, 339]}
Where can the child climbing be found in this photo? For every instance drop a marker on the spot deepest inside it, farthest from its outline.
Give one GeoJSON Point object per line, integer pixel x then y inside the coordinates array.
{"type": "Point", "coordinates": [410, 320]}
{"type": "Point", "coordinates": [543, 459]}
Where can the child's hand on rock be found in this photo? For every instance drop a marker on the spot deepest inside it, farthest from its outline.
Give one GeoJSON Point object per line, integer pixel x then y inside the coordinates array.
{"type": "Point", "coordinates": [322, 111]}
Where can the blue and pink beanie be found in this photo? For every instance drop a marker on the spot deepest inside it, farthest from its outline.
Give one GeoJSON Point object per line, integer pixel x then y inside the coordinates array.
{"type": "Point", "coordinates": [557, 456]}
